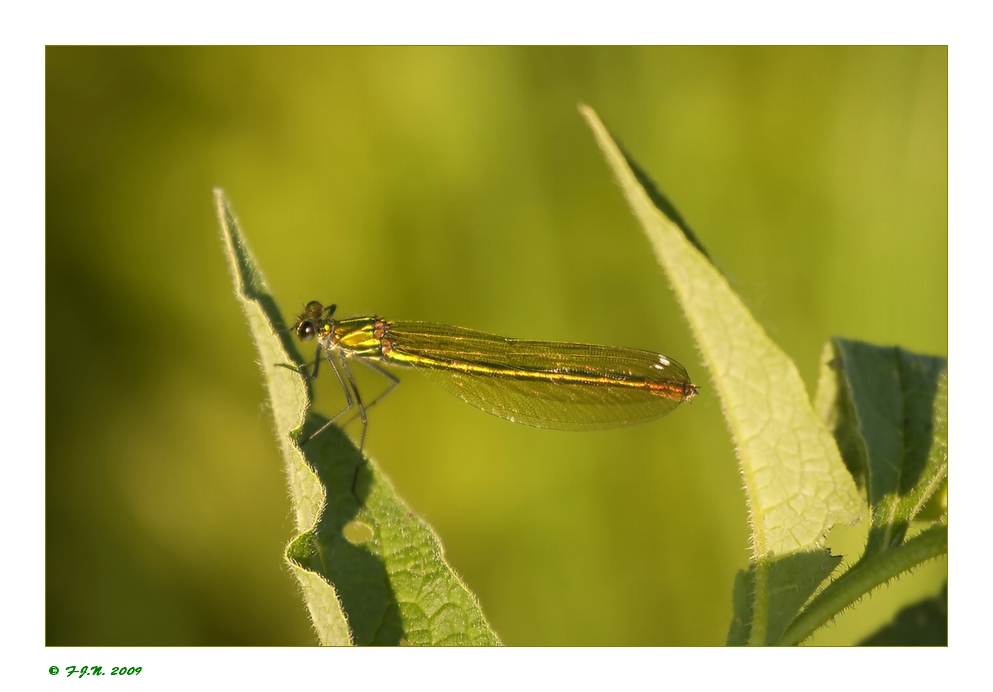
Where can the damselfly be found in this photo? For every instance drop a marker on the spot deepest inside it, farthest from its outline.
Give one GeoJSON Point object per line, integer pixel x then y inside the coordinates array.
{"type": "Point", "coordinates": [546, 384]}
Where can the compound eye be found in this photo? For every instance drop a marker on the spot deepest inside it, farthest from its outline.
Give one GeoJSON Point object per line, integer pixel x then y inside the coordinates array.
{"type": "Point", "coordinates": [306, 331]}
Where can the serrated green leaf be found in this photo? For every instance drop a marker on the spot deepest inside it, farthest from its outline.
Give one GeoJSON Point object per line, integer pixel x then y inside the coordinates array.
{"type": "Point", "coordinates": [289, 398]}
{"type": "Point", "coordinates": [924, 623]}
{"type": "Point", "coordinates": [792, 579]}
{"type": "Point", "coordinates": [386, 563]}
{"type": "Point", "coordinates": [391, 584]}
{"type": "Point", "coordinates": [888, 409]}
{"type": "Point", "coordinates": [797, 486]}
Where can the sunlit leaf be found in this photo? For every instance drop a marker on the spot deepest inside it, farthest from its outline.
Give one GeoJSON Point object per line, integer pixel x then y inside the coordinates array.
{"type": "Point", "coordinates": [371, 571]}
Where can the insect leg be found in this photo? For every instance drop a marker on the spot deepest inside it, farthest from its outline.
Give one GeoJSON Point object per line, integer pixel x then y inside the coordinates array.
{"type": "Point", "coordinates": [317, 362]}
{"type": "Point", "coordinates": [394, 380]}
{"type": "Point", "coordinates": [347, 387]}
{"type": "Point", "coordinates": [358, 400]}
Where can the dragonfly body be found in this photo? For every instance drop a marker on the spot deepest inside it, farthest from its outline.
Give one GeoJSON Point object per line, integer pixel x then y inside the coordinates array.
{"type": "Point", "coordinates": [546, 384]}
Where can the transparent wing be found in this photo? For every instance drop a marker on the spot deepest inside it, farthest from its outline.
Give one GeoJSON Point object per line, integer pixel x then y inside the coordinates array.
{"type": "Point", "coordinates": [546, 384]}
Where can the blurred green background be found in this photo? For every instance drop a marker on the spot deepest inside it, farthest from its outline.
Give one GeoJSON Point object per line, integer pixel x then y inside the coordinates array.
{"type": "Point", "coordinates": [456, 185]}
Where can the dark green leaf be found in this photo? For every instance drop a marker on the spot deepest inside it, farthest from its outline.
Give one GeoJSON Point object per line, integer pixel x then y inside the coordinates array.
{"type": "Point", "coordinates": [792, 580]}
{"type": "Point", "coordinates": [922, 624]}
{"type": "Point", "coordinates": [888, 409]}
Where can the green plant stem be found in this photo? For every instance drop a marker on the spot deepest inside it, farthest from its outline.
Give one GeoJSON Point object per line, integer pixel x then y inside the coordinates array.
{"type": "Point", "coordinates": [760, 605]}
{"type": "Point", "coordinates": [863, 578]}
